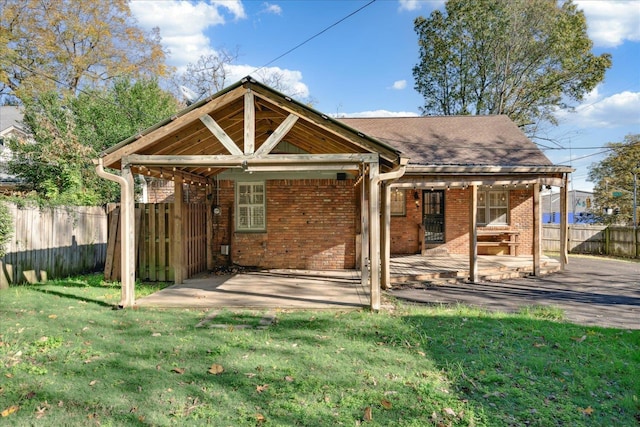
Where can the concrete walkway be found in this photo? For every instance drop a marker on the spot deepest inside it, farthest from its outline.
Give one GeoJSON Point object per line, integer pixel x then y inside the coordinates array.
{"type": "Point", "coordinates": [592, 291]}
{"type": "Point", "coordinates": [302, 289]}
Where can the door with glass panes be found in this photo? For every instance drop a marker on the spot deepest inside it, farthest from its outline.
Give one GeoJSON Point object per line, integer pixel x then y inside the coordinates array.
{"type": "Point", "coordinates": [433, 216]}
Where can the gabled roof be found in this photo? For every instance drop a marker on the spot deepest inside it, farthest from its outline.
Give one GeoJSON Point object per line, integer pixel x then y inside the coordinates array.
{"type": "Point", "coordinates": [218, 126]}
{"type": "Point", "coordinates": [455, 140]}
{"type": "Point", "coordinates": [11, 120]}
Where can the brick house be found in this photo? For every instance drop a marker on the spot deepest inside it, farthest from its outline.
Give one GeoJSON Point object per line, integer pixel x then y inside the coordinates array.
{"type": "Point", "coordinates": [290, 187]}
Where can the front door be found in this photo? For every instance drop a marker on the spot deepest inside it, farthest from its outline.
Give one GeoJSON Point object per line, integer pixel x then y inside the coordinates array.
{"type": "Point", "coordinates": [433, 216]}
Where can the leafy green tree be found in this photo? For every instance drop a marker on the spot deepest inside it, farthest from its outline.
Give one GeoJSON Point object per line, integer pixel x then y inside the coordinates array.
{"type": "Point", "coordinates": [65, 45]}
{"type": "Point", "coordinates": [69, 132]}
{"type": "Point", "coordinates": [613, 179]}
{"type": "Point", "coordinates": [522, 58]}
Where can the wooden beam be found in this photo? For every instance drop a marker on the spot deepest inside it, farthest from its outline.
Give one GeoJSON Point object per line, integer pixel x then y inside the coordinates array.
{"type": "Point", "coordinates": [473, 234]}
{"type": "Point", "coordinates": [537, 230]}
{"type": "Point", "coordinates": [564, 224]}
{"type": "Point", "coordinates": [178, 123]}
{"type": "Point", "coordinates": [238, 160]}
{"type": "Point", "coordinates": [128, 249]}
{"type": "Point", "coordinates": [385, 246]}
{"type": "Point", "coordinates": [374, 234]}
{"type": "Point", "coordinates": [277, 135]}
{"type": "Point", "coordinates": [220, 134]}
{"type": "Point", "coordinates": [177, 238]}
{"type": "Point", "coordinates": [249, 123]}
{"type": "Point", "coordinates": [336, 128]}
{"type": "Point", "coordinates": [364, 233]}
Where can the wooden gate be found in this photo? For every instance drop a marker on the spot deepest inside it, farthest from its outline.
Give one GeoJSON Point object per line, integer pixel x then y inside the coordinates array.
{"type": "Point", "coordinates": [154, 244]}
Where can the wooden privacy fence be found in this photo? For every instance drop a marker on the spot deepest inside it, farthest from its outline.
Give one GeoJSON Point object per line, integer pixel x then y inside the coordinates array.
{"type": "Point", "coordinates": [53, 242]}
{"type": "Point", "coordinates": [154, 245]}
{"type": "Point", "coordinates": [594, 239]}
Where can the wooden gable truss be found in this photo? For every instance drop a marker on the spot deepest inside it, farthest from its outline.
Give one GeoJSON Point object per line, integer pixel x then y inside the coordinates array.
{"type": "Point", "coordinates": [242, 127]}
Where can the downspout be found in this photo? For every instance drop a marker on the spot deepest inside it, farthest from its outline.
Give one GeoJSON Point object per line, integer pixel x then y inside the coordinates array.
{"type": "Point", "coordinates": [127, 277]}
{"type": "Point", "coordinates": [384, 247]}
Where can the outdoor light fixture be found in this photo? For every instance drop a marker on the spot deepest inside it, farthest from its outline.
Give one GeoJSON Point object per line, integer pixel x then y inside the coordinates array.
{"type": "Point", "coordinates": [416, 197]}
{"type": "Point", "coordinates": [244, 165]}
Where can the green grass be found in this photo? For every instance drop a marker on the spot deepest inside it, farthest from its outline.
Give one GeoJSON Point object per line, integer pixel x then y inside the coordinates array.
{"type": "Point", "coordinates": [67, 358]}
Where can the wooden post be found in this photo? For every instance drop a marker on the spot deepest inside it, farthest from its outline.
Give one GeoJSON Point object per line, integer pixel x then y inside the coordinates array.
{"type": "Point", "coordinates": [178, 252]}
{"type": "Point", "coordinates": [364, 232]}
{"type": "Point", "coordinates": [385, 245]}
{"type": "Point", "coordinates": [564, 225]}
{"type": "Point", "coordinates": [537, 230]}
{"type": "Point", "coordinates": [249, 123]}
{"type": "Point", "coordinates": [374, 235]}
{"type": "Point", "coordinates": [473, 234]}
{"type": "Point", "coordinates": [127, 228]}
{"type": "Point", "coordinates": [210, 238]}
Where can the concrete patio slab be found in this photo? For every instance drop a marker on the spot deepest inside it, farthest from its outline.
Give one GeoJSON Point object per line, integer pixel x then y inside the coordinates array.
{"type": "Point", "coordinates": [305, 289]}
{"type": "Point", "coordinates": [266, 289]}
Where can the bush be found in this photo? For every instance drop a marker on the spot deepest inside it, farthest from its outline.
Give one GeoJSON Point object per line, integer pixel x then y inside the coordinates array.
{"type": "Point", "coordinates": [6, 227]}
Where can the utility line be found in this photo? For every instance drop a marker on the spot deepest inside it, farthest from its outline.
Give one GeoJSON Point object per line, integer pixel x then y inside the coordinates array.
{"type": "Point", "coordinates": [314, 36]}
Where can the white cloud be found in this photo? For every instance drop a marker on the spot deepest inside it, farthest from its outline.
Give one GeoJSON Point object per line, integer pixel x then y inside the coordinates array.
{"type": "Point", "coordinates": [399, 84]}
{"type": "Point", "coordinates": [272, 8]}
{"type": "Point", "coordinates": [287, 81]}
{"type": "Point", "coordinates": [379, 113]}
{"type": "Point", "coordinates": [610, 23]}
{"type": "Point", "coordinates": [183, 24]}
{"type": "Point", "coordinates": [596, 111]}
{"type": "Point", "coordinates": [413, 5]}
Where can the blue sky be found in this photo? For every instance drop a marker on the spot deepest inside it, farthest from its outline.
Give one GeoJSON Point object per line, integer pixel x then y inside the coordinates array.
{"type": "Point", "coordinates": [363, 65]}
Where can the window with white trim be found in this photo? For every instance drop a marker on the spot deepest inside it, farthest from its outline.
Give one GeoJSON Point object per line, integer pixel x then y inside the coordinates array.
{"type": "Point", "coordinates": [250, 206]}
{"type": "Point", "coordinates": [493, 207]}
{"type": "Point", "coordinates": [398, 202]}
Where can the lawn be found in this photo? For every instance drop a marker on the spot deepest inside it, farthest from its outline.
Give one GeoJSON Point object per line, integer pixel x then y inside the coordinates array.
{"type": "Point", "coordinates": [67, 358]}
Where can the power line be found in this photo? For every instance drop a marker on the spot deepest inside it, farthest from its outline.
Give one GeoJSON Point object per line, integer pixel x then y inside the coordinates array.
{"type": "Point", "coordinates": [314, 36]}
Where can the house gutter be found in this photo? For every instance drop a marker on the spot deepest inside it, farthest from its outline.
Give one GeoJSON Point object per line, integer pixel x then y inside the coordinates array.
{"type": "Point", "coordinates": [127, 226]}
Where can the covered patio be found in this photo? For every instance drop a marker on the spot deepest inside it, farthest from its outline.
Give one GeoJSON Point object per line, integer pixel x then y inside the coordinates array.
{"type": "Point", "coordinates": [304, 289]}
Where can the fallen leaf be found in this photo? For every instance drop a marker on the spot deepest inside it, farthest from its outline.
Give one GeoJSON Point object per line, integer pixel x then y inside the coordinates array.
{"type": "Point", "coordinates": [216, 369]}
{"type": "Point", "coordinates": [579, 339]}
{"type": "Point", "coordinates": [40, 412]}
{"type": "Point", "coordinates": [288, 378]}
{"type": "Point", "coordinates": [8, 375]}
{"type": "Point", "coordinates": [53, 316]}
{"type": "Point", "coordinates": [10, 410]}
{"type": "Point", "coordinates": [450, 412]}
{"type": "Point", "coordinates": [367, 414]}
{"type": "Point", "coordinates": [94, 382]}
{"type": "Point", "coordinates": [386, 404]}
{"type": "Point", "coordinates": [178, 370]}
{"type": "Point", "coordinates": [260, 418]}
{"type": "Point", "coordinates": [156, 334]}
{"type": "Point", "coordinates": [261, 388]}
{"type": "Point", "coordinates": [250, 375]}
{"type": "Point", "coordinates": [588, 410]}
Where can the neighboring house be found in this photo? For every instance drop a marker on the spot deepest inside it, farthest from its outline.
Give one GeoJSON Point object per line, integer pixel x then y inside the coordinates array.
{"type": "Point", "coordinates": [10, 127]}
{"type": "Point", "coordinates": [579, 207]}
{"type": "Point", "coordinates": [290, 187]}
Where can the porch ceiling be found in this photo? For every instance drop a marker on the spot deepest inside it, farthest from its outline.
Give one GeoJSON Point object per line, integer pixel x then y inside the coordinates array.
{"type": "Point", "coordinates": [220, 126]}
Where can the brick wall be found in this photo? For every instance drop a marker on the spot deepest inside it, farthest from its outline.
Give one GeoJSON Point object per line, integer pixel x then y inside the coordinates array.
{"type": "Point", "coordinates": [161, 191]}
{"type": "Point", "coordinates": [311, 224]}
{"type": "Point", "coordinates": [404, 230]}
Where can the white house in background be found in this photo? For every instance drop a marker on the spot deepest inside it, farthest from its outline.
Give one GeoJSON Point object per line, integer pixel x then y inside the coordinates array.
{"type": "Point", "coordinates": [579, 205]}
{"type": "Point", "coordinates": [10, 127]}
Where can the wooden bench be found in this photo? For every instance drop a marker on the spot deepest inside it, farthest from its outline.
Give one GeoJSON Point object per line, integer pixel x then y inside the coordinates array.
{"type": "Point", "coordinates": [498, 238]}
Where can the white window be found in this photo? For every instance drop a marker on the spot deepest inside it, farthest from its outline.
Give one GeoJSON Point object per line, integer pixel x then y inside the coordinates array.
{"type": "Point", "coordinates": [493, 207]}
{"type": "Point", "coordinates": [250, 206]}
{"type": "Point", "coordinates": [398, 202]}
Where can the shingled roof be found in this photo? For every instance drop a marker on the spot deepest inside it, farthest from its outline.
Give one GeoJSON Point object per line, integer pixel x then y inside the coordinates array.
{"type": "Point", "coordinates": [454, 140]}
